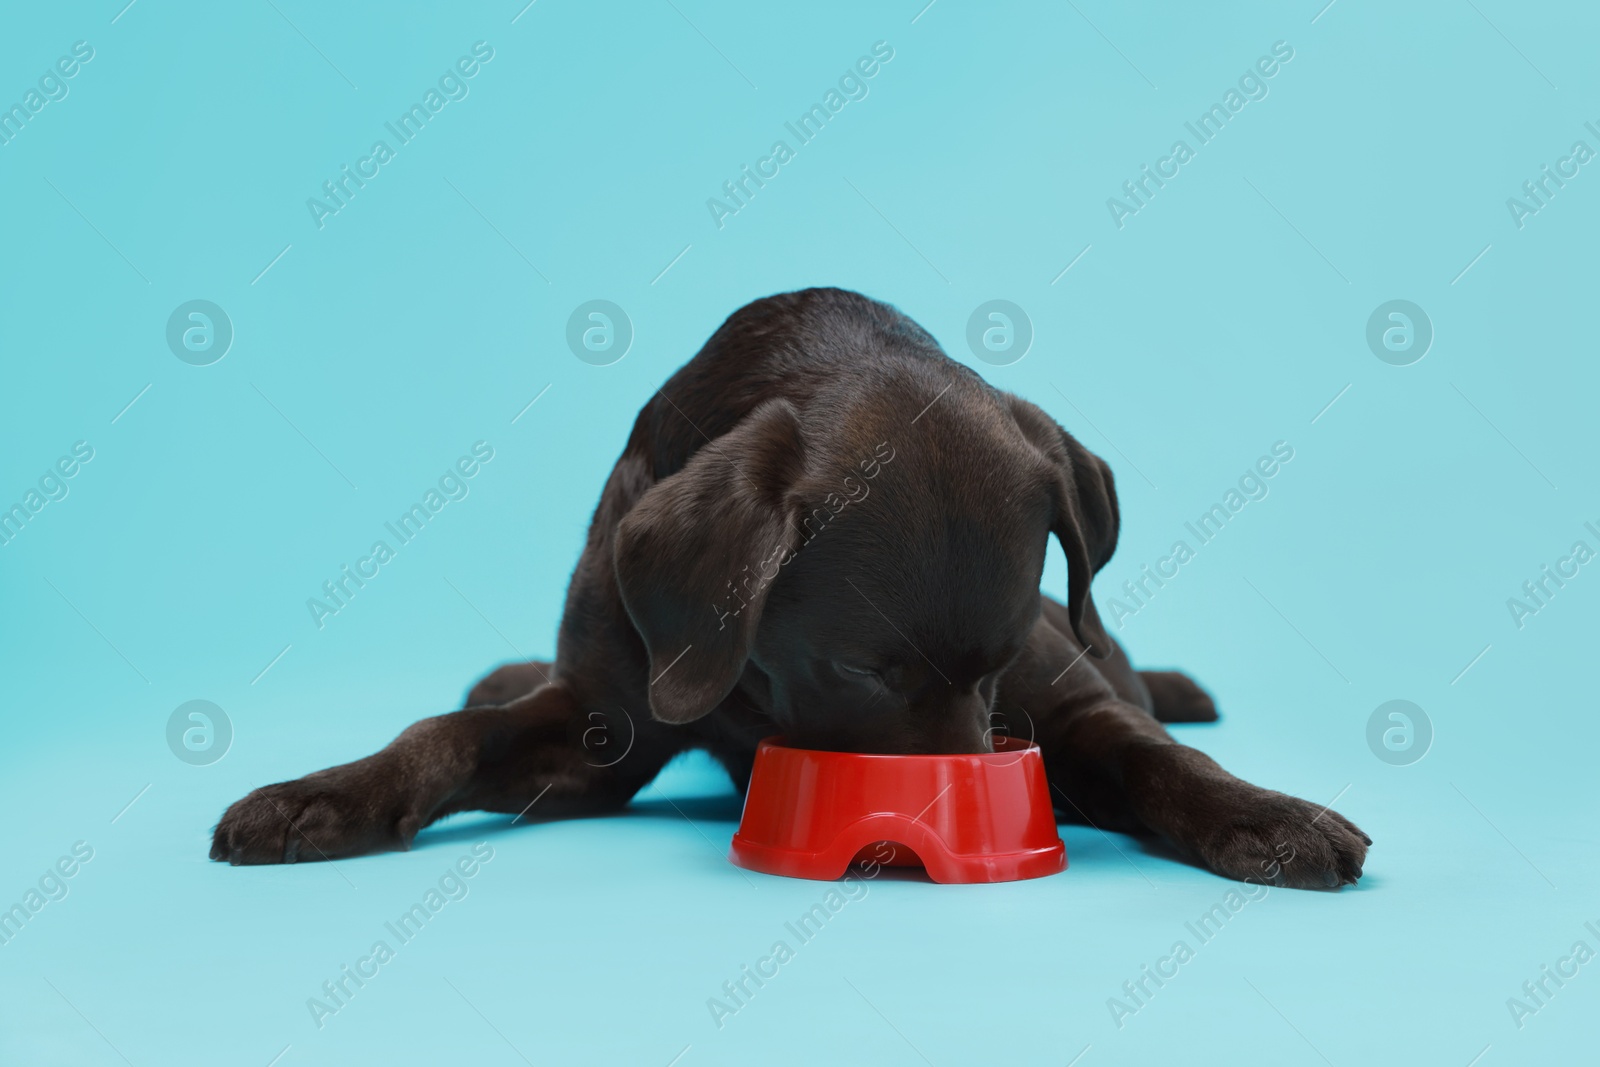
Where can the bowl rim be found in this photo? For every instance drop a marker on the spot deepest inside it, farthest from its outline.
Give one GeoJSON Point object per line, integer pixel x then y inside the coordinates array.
{"type": "Point", "coordinates": [1016, 748]}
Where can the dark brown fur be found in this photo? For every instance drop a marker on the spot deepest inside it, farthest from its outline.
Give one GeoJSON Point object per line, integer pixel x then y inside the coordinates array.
{"type": "Point", "coordinates": [822, 526]}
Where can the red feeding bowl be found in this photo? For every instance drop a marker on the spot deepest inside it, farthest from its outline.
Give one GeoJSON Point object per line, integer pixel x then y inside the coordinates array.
{"type": "Point", "coordinates": [978, 817]}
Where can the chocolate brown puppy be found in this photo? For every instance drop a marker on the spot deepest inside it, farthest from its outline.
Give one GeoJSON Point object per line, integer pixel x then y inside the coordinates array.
{"type": "Point", "coordinates": [822, 526]}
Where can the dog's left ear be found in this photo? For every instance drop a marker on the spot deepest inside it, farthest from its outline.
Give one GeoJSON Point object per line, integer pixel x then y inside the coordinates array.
{"type": "Point", "coordinates": [1086, 518]}
{"type": "Point", "coordinates": [697, 555]}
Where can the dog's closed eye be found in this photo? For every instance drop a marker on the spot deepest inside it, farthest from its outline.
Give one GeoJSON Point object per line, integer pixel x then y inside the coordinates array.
{"type": "Point", "coordinates": [851, 670]}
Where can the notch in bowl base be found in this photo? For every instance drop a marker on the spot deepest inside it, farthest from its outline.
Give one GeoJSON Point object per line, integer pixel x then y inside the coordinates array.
{"type": "Point", "coordinates": [886, 854]}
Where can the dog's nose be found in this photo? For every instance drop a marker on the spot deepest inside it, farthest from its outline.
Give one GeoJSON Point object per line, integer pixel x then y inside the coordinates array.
{"type": "Point", "coordinates": [960, 743]}
{"type": "Point", "coordinates": [960, 726]}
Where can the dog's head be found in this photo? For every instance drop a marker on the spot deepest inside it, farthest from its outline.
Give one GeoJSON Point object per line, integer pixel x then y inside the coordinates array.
{"type": "Point", "coordinates": [866, 580]}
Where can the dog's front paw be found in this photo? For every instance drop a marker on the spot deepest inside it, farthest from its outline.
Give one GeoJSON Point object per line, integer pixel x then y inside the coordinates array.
{"type": "Point", "coordinates": [338, 812]}
{"type": "Point", "coordinates": [1268, 837]}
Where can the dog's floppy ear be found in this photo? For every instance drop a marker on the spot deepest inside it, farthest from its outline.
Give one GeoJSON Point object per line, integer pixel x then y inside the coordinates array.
{"type": "Point", "coordinates": [697, 555]}
{"type": "Point", "coordinates": [1086, 519]}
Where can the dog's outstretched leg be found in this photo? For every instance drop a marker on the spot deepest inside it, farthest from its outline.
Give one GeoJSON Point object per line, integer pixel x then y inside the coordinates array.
{"type": "Point", "coordinates": [533, 750]}
{"type": "Point", "coordinates": [1107, 751]}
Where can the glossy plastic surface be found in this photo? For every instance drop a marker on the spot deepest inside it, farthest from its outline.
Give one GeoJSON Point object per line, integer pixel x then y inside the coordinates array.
{"type": "Point", "coordinates": [979, 817]}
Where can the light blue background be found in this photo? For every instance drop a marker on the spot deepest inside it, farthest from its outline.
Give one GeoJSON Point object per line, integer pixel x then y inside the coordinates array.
{"type": "Point", "coordinates": [1223, 317]}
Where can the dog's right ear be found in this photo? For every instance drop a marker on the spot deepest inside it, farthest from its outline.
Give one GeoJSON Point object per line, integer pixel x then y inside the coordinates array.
{"type": "Point", "coordinates": [697, 555]}
{"type": "Point", "coordinates": [1087, 517]}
